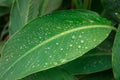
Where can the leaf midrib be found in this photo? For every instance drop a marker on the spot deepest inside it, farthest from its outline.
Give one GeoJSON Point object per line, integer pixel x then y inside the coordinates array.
{"type": "Point", "coordinates": [57, 36]}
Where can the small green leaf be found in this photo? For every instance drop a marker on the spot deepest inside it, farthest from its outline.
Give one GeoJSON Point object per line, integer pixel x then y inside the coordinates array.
{"type": "Point", "coordinates": [23, 11]}
{"type": "Point", "coordinates": [51, 74]}
{"type": "Point", "coordinates": [93, 61]}
{"type": "Point", "coordinates": [116, 55]}
{"type": "Point", "coordinates": [52, 40]}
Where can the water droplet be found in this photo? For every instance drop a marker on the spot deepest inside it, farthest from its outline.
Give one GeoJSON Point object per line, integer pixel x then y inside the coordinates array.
{"type": "Point", "coordinates": [80, 36]}
{"type": "Point", "coordinates": [46, 63]}
{"type": "Point", "coordinates": [63, 60]}
{"type": "Point", "coordinates": [86, 47]}
{"type": "Point", "coordinates": [71, 45]}
{"type": "Point", "coordinates": [66, 54]}
{"type": "Point", "coordinates": [73, 37]}
{"type": "Point", "coordinates": [50, 56]}
{"type": "Point", "coordinates": [33, 66]}
{"type": "Point", "coordinates": [57, 43]}
{"type": "Point", "coordinates": [38, 64]}
{"type": "Point", "coordinates": [94, 39]}
{"type": "Point", "coordinates": [82, 41]}
{"type": "Point", "coordinates": [48, 47]}
{"type": "Point", "coordinates": [82, 32]}
{"type": "Point", "coordinates": [61, 49]}
{"type": "Point", "coordinates": [55, 63]}
{"type": "Point", "coordinates": [6, 60]}
{"type": "Point", "coordinates": [79, 46]}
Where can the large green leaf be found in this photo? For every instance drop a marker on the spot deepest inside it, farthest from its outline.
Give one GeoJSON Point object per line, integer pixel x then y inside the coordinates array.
{"type": "Point", "coordinates": [23, 11]}
{"type": "Point", "coordinates": [93, 61]}
{"type": "Point", "coordinates": [51, 74]}
{"type": "Point", "coordinates": [116, 55]}
{"type": "Point", "coordinates": [52, 40]}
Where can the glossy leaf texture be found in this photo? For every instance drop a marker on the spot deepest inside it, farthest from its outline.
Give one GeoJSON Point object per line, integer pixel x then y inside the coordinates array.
{"type": "Point", "coordinates": [51, 74]}
{"type": "Point", "coordinates": [23, 11]}
{"type": "Point", "coordinates": [52, 40]}
{"type": "Point", "coordinates": [116, 55]}
{"type": "Point", "coordinates": [93, 61]}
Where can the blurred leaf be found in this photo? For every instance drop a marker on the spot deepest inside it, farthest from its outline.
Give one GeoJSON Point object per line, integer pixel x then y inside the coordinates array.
{"type": "Point", "coordinates": [1, 45]}
{"type": "Point", "coordinates": [113, 8]}
{"type": "Point", "coordinates": [3, 11]}
{"type": "Point", "coordinates": [23, 11]}
{"type": "Point", "coordinates": [116, 55]}
{"type": "Point", "coordinates": [47, 6]}
{"type": "Point", "coordinates": [52, 40]}
{"type": "Point", "coordinates": [51, 74]}
{"type": "Point", "coordinates": [105, 75]}
{"type": "Point", "coordinates": [7, 3]}
{"type": "Point", "coordinates": [93, 61]}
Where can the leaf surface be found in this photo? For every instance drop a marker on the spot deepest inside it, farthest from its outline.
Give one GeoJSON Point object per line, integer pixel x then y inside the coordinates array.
{"type": "Point", "coordinates": [23, 11]}
{"type": "Point", "coordinates": [51, 74]}
{"type": "Point", "coordinates": [91, 62]}
{"type": "Point", "coordinates": [52, 40]}
{"type": "Point", "coordinates": [116, 55]}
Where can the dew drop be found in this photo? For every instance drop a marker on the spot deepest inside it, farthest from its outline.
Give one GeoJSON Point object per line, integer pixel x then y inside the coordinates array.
{"type": "Point", "coordinates": [71, 45]}
{"type": "Point", "coordinates": [61, 49]}
{"type": "Point", "coordinates": [63, 60]}
{"type": "Point", "coordinates": [55, 63]}
{"type": "Point", "coordinates": [50, 56]}
{"type": "Point", "coordinates": [6, 60]}
{"type": "Point", "coordinates": [57, 43]}
{"type": "Point", "coordinates": [80, 36]}
{"type": "Point", "coordinates": [94, 39]}
{"type": "Point", "coordinates": [79, 46]}
{"type": "Point", "coordinates": [33, 66]}
{"type": "Point", "coordinates": [82, 41]}
{"type": "Point", "coordinates": [73, 37]}
{"type": "Point", "coordinates": [86, 47]}
{"type": "Point", "coordinates": [46, 63]}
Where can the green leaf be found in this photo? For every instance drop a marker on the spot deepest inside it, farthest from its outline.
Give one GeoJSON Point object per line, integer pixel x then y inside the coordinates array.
{"type": "Point", "coordinates": [93, 61]}
{"type": "Point", "coordinates": [23, 11]}
{"type": "Point", "coordinates": [1, 45]}
{"type": "Point", "coordinates": [47, 6]}
{"type": "Point", "coordinates": [52, 40]}
{"type": "Point", "coordinates": [113, 8]}
{"type": "Point", "coordinates": [51, 74]}
{"type": "Point", "coordinates": [116, 55]}
{"type": "Point", "coordinates": [6, 3]}
{"type": "Point", "coordinates": [104, 75]}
